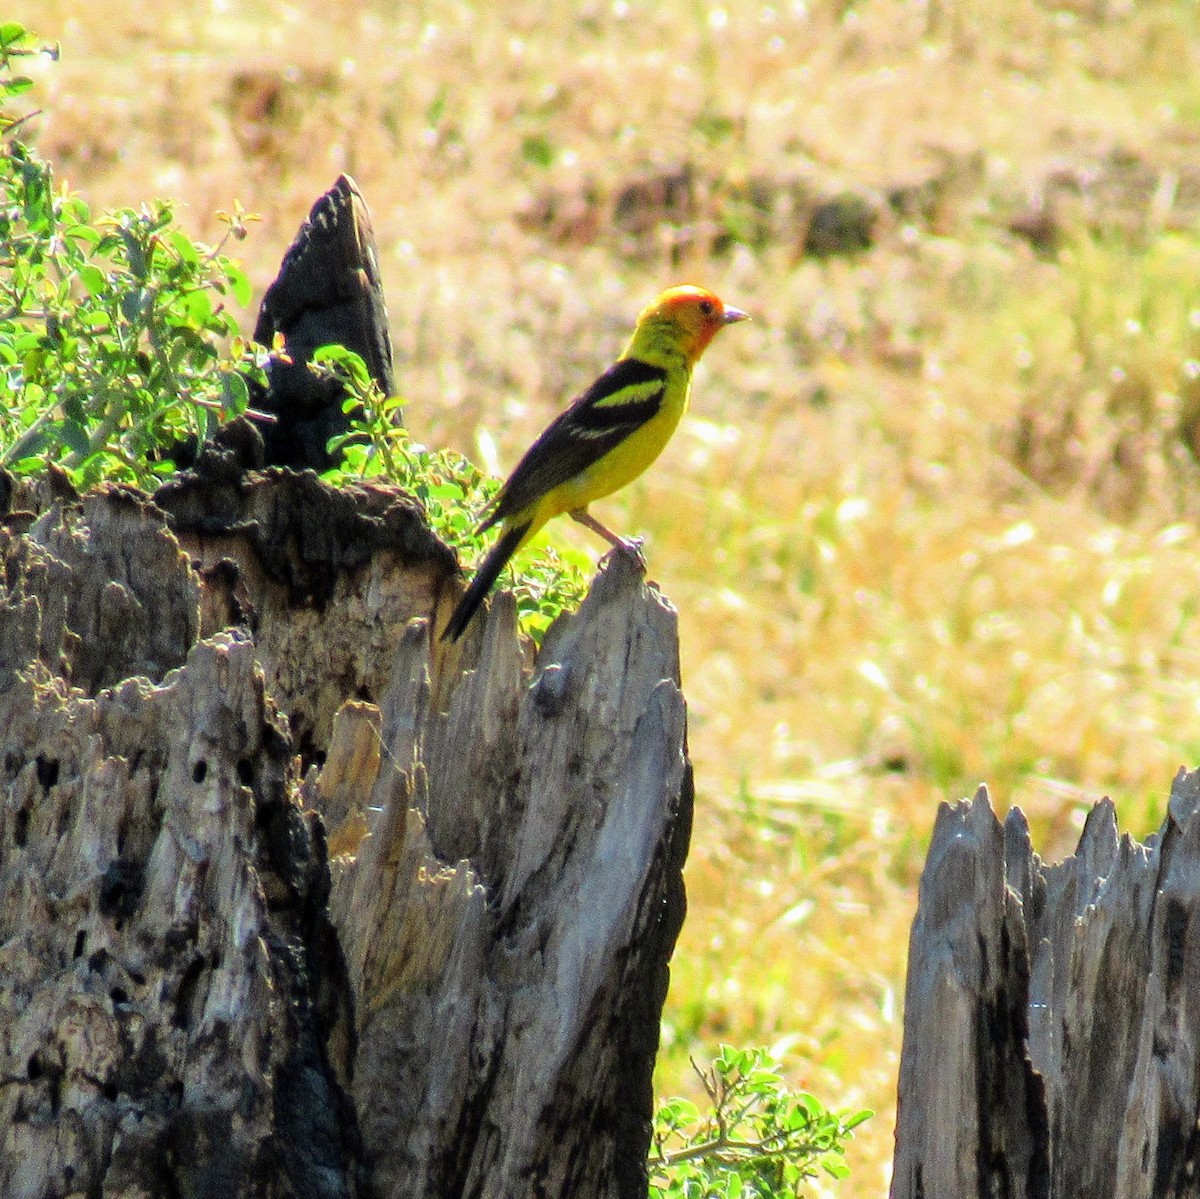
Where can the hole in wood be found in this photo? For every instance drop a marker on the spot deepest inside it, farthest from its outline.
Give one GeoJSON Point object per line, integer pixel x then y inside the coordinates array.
{"type": "Point", "coordinates": [120, 890]}
{"type": "Point", "coordinates": [21, 827]}
{"type": "Point", "coordinates": [186, 995]}
{"type": "Point", "coordinates": [47, 771]}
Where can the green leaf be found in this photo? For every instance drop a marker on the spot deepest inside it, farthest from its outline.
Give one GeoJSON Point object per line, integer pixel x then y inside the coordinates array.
{"type": "Point", "coordinates": [85, 235]}
{"type": "Point", "coordinates": [92, 278]}
{"type": "Point", "coordinates": [235, 395]}
{"type": "Point", "coordinates": [29, 448]}
{"type": "Point", "coordinates": [14, 40]}
{"type": "Point", "coordinates": [184, 247]}
{"type": "Point", "coordinates": [72, 434]}
{"type": "Point", "coordinates": [95, 319]}
{"type": "Point", "coordinates": [196, 307]}
{"type": "Point", "coordinates": [135, 303]}
{"type": "Point", "coordinates": [239, 282]}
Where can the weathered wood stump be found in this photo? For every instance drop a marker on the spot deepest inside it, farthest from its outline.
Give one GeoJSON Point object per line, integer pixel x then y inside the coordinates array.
{"type": "Point", "coordinates": [328, 291]}
{"type": "Point", "coordinates": [1052, 1020]}
{"type": "Point", "coordinates": [462, 997]}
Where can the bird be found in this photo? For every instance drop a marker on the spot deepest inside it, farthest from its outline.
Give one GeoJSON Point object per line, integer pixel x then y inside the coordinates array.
{"type": "Point", "coordinates": [606, 437]}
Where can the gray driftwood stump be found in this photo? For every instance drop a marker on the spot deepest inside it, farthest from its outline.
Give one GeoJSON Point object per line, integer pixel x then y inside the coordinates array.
{"type": "Point", "coordinates": [294, 902]}
{"type": "Point", "coordinates": [1052, 1018]}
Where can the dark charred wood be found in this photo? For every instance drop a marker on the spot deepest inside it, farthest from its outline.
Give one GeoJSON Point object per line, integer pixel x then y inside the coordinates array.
{"type": "Point", "coordinates": [328, 292]}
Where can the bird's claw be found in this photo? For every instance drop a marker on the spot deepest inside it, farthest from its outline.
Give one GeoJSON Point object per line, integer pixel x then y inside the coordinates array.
{"type": "Point", "coordinates": [633, 547]}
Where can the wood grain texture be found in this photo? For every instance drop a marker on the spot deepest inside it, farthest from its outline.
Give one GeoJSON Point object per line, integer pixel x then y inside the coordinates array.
{"type": "Point", "coordinates": [517, 993]}
{"type": "Point", "coordinates": [325, 578]}
{"type": "Point", "coordinates": [1052, 1021]}
{"type": "Point", "coordinates": [161, 897]}
{"type": "Point", "coordinates": [193, 1001]}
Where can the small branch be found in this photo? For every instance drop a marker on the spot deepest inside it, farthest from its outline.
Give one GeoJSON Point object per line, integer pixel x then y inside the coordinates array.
{"type": "Point", "coordinates": [19, 121]}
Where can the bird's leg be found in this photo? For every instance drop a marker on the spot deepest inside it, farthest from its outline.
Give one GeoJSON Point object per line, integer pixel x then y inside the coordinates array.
{"type": "Point", "coordinates": [586, 518]}
{"type": "Point", "coordinates": [630, 545]}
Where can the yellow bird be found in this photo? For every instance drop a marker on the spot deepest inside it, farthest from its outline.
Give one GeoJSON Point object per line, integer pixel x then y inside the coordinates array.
{"type": "Point", "coordinates": [606, 437]}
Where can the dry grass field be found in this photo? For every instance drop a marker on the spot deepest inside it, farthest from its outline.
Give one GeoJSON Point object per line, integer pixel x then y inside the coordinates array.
{"type": "Point", "coordinates": [932, 520]}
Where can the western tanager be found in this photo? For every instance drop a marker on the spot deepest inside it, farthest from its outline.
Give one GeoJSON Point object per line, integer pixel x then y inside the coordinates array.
{"type": "Point", "coordinates": [607, 435]}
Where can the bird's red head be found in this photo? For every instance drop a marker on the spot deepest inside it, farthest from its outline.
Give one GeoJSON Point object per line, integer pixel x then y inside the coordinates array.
{"type": "Point", "coordinates": [691, 315]}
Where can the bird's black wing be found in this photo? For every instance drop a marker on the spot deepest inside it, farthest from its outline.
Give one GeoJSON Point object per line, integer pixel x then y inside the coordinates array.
{"type": "Point", "coordinates": [596, 422]}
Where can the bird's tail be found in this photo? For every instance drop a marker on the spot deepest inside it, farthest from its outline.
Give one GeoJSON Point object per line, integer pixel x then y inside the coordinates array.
{"type": "Point", "coordinates": [481, 584]}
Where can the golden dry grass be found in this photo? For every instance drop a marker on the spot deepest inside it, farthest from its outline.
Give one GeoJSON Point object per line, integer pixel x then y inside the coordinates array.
{"type": "Point", "coordinates": [931, 521]}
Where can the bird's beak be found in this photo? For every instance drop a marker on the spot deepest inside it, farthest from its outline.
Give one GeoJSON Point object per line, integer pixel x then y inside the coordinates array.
{"type": "Point", "coordinates": [733, 315]}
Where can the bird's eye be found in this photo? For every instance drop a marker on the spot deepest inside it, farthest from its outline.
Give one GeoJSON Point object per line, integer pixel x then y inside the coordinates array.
{"type": "Point", "coordinates": [706, 306]}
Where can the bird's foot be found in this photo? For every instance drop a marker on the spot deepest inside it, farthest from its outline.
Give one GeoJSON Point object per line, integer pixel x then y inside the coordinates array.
{"type": "Point", "coordinates": [633, 547]}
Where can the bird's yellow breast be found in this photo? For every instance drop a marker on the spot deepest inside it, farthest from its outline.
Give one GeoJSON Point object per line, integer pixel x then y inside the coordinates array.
{"type": "Point", "coordinates": [624, 462]}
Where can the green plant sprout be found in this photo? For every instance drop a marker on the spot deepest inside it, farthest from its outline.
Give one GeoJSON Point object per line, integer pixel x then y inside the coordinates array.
{"type": "Point", "coordinates": [758, 1140]}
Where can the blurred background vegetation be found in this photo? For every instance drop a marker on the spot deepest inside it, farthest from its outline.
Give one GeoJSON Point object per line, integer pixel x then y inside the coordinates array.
{"type": "Point", "coordinates": [931, 520]}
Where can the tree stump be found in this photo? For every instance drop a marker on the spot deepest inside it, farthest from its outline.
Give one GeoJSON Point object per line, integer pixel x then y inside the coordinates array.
{"type": "Point", "coordinates": [461, 995]}
{"type": "Point", "coordinates": [1052, 1019]}
{"type": "Point", "coordinates": [328, 291]}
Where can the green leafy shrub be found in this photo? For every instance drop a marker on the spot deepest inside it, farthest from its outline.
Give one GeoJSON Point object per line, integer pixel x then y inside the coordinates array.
{"type": "Point", "coordinates": [111, 330]}
{"type": "Point", "coordinates": [759, 1140]}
